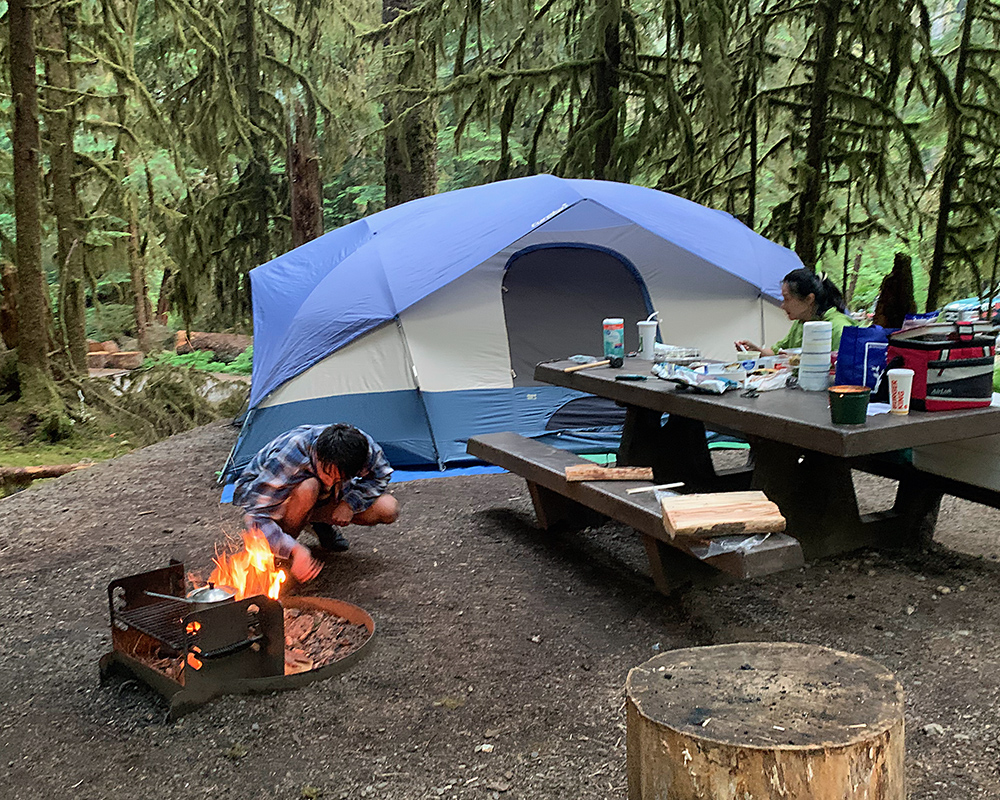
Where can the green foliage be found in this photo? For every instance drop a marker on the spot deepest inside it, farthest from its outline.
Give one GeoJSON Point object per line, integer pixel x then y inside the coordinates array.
{"type": "Point", "coordinates": [996, 377]}
{"type": "Point", "coordinates": [204, 360]}
{"type": "Point", "coordinates": [109, 321]}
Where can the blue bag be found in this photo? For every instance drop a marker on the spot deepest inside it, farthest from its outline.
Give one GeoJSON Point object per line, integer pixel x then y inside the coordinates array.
{"type": "Point", "coordinates": [861, 358]}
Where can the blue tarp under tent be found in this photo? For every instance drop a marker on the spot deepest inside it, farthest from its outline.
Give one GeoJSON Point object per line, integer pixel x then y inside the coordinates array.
{"type": "Point", "coordinates": [421, 324]}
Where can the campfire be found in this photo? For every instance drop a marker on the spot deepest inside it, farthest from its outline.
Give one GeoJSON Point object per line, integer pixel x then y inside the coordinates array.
{"type": "Point", "coordinates": [251, 570]}
{"type": "Point", "coordinates": [234, 633]}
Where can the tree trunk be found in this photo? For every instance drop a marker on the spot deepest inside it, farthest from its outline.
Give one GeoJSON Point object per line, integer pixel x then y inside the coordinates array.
{"type": "Point", "coordinates": [764, 720]}
{"type": "Point", "coordinates": [32, 300]}
{"type": "Point", "coordinates": [138, 284]}
{"type": "Point", "coordinates": [895, 297]}
{"type": "Point", "coordinates": [60, 123]}
{"type": "Point", "coordinates": [259, 169]}
{"type": "Point", "coordinates": [605, 79]}
{"type": "Point", "coordinates": [305, 186]}
{"type": "Point", "coordinates": [817, 143]}
{"type": "Point", "coordinates": [410, 126]}
{"type": "Point", "coordinates": [953, 163]}
{"type": "Point", "coordinates": [8, 304]}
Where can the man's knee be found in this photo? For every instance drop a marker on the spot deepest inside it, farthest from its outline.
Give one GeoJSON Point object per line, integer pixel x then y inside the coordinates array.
{"type": "Point", "coordinates": [386, 509]}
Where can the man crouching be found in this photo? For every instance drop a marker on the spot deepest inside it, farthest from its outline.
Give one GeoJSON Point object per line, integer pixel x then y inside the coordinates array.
{"type": "Point", "coordinates": [326, 475]}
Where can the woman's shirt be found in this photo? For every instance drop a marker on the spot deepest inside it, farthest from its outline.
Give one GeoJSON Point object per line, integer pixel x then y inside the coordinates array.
{"type": "Point", "coordinates": [839, 319]}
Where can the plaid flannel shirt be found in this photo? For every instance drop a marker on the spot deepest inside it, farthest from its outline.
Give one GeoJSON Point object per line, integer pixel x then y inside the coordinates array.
{"type": "Point", "coordinates": [285, 462]}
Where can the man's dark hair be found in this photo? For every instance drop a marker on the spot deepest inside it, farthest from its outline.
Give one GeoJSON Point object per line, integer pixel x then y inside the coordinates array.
{"type": "Point", "coordinates": [345, 447]}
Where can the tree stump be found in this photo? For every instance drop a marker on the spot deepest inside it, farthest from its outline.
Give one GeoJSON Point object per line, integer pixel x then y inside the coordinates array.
{"type": "Point", "coordinates": [760, 720]}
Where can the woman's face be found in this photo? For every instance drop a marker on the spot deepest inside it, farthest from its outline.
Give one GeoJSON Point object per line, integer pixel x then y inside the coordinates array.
{"type": "Point", "coordinates": [795, 307]}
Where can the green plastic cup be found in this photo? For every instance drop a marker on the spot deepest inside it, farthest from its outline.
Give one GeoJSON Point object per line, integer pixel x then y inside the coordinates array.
{"type": "Point", "coordinates": [849, 404]}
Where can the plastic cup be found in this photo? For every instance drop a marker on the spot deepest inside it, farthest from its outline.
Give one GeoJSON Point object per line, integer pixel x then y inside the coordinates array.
{"type": "Point", "coordinates": [849, 404]}
{"type": "Point", "coordinates": [900, 389]}
{"type": "Point", "coordinates": [647, 339]}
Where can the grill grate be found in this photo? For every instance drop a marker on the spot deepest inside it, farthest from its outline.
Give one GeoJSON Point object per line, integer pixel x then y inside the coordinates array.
{"type": "Point", "coordinates": [163, 621]}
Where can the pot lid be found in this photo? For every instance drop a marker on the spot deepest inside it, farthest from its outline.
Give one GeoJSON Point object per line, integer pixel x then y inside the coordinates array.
{"type": "Point", "coordinates": [212, 594]}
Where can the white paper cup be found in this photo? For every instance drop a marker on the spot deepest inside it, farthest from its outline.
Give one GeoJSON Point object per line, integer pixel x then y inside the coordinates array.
{"type": "Point", "coordinates": [900, 389]}
{"type": "Point", "coordinates": [647, 340]}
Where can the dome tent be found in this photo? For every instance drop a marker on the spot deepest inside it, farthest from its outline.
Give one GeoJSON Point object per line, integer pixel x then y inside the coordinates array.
{"type": "Point", "coordinates": [420, 323]}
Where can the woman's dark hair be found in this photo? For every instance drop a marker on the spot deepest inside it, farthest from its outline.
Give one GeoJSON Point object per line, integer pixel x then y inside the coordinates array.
{"type": "Point", "coordinates": [803, 282]}
{"type": "Point", "coordinates": [345, 447]}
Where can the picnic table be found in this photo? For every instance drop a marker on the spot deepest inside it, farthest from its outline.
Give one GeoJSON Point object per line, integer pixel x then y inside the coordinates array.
{"type": "Point", "coordinates": [799, 458]}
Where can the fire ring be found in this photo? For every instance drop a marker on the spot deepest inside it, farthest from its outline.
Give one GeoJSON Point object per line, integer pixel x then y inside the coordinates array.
{"type": "Point", "coordinates": [227, 648]}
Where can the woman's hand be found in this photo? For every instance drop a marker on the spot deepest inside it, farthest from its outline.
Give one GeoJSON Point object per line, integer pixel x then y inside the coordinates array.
{"type": "Point", "coordinates": [304, 567]}
{"type": "Point", "coordinates": [747, 345]}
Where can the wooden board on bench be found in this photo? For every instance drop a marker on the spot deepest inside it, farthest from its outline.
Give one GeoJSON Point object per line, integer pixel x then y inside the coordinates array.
{"type": "Point", "coordinates": [704, 516]}
{"type": "Point", "coordinates": [543, 467]}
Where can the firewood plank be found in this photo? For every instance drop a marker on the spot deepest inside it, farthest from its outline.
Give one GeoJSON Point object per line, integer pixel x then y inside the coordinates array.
{"type": "Point", "coordinates": [593, 472]}
{"type": "Point", "coordinates": [721, 514]}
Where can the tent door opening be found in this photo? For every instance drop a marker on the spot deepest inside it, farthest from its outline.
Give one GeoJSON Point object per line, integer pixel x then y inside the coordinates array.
{"type": "Point", "coordinates": [555, 298]}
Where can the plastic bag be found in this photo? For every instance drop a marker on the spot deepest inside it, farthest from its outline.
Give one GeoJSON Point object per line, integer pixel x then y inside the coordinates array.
{"type": "Point", "coordinates": [728, 544]}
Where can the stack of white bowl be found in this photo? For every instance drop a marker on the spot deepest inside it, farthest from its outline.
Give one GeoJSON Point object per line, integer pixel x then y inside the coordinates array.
{"type": "Point", "coordinates": [814, 364]}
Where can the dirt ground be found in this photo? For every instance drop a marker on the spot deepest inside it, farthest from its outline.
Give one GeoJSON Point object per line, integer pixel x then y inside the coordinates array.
{"type": "Point", "coordinates": [488, 633]}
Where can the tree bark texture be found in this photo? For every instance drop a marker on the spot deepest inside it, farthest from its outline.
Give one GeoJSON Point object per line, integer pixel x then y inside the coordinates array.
{"type": "Point", "coordinates": [305, 186]}
{"type": "Point", "coordinates": [954, 157]}
{"type": "Point", "coordinates": [764, 721]}
{"type": "Point", "coordinates": [32, 300]}
{"type": "Point", "coordinates": [817, 142]}
{"type": "Point", "coordinates": [8, 304]}
{"type": "Point", "coordinates": [60, 124]}
{"type": "Point", "coordinates": [410, 125]}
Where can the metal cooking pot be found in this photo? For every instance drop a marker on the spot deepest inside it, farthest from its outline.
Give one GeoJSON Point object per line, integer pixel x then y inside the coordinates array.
{"type": "Point", "coordinates": [203, 597]}
{"type": "Point", "coordinates": [210, 595]}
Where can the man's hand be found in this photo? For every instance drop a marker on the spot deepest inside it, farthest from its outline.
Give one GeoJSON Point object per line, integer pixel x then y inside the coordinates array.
{"type": "Point", "coordinates": [304, 567]}
{"type": "Point", "coordinates": [342, 514]}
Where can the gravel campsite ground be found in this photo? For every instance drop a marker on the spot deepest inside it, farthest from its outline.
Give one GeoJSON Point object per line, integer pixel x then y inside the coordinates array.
{"type": "Point", "coordinates": [488, 633]}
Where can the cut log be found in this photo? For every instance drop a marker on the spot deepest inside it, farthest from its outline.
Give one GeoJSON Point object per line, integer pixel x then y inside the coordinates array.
{"type": "Point", "coordinates": [720, 514]}
{"type": "Point", "coordinates": [28, 474]}
{"type": "Point", "coordinates": [592, 472]}
{"type": "Point", "coordinates": [96, 359]}
{"type": "Point", "coordinates": [126, 359]}
{"type": "Point", "coordinates": [761, 721]}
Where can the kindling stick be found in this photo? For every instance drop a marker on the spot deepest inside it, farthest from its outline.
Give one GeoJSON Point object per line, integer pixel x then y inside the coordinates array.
{"type": "Point", "coordinates": [651, 488]}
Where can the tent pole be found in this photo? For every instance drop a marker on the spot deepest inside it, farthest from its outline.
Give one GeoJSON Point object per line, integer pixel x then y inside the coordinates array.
{"type": "Point", "coordinates": [420, 394]}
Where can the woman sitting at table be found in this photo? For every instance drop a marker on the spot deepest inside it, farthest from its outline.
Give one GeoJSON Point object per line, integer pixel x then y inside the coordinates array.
{"type": "Point", "coordinates": [806, 296]}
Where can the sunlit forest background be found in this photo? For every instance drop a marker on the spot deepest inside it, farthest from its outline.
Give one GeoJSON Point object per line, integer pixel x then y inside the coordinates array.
{"type": "Point", "coordinates": [155, 152]}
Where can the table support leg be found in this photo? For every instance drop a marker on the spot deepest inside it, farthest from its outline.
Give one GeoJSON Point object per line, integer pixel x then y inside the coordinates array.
{"type": "Point", "coordinates": [553, 509]}
{"type": "Point", "coordinates": [815, 492]}
{"type": "Point", "coordinates": [677, 451]}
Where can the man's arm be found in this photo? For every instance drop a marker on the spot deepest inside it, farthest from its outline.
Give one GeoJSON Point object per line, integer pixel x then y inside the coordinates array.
{"type": "Point", "coordinates": [362, 491]}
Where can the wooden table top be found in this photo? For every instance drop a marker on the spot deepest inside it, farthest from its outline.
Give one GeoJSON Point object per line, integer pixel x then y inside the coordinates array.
{"type": "Point", "coordinates": [791, 416]}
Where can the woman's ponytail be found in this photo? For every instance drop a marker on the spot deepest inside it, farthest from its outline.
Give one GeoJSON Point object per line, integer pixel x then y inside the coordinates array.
{"type": "Point", "coordinates": [803, 282]}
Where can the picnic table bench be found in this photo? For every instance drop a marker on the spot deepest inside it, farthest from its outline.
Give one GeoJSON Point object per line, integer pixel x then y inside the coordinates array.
{"type": "Point", "coordinates": [580, 503]}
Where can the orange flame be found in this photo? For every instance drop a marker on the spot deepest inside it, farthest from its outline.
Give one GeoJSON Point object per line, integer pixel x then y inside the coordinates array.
{"type": "Point", "coordinates": [250, 571]}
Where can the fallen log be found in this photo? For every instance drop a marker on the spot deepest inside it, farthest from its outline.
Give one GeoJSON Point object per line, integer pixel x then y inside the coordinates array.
{"type": "Point", "coordinates": [28, 474]}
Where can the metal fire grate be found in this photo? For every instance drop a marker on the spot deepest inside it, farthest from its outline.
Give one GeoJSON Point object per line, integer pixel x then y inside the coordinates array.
{"type": "Point", "coordinates": [223, 648]}
{"type": "Point", "coordinates": [163, 620]}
